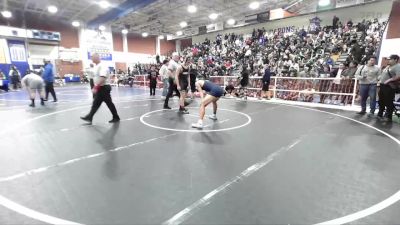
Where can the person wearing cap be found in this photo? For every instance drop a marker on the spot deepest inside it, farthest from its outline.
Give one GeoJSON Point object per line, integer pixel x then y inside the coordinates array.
{"type": "Point", "coordinates": [101, 91]}
{"type": "Point", "coordinates": [48, 77]}
{"type": "Point", "coordinates": [389, 80]}
{"type": "Point", "coordinates": [172, 68]}
{"type": "Point", "coordinates": [33, 83]}
{"type": "Point", "coordinates": [367, 76]}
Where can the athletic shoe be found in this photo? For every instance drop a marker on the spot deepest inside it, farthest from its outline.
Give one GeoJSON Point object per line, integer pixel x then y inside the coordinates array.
{"type": "Point", "coordinates": [32, 105]}
{"type": "Point", "coordinates": [166, 107]}
{"type": "Point", "coordinates": [213, 117]}
{"type": "Point", "coordinates": [114, 120]}
{"type": "Point", "coordinates": [87, 119]}
{"type": "Point", "coordinates": [362, 113]}
{"type": "Point", "coordinates": [197, 125]}
{"type": "Point", "coordinates": [184, 111]}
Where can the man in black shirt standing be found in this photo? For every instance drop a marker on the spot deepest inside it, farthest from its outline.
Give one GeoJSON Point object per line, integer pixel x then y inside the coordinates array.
{"type": "Point", "coordinates": [153, 74]}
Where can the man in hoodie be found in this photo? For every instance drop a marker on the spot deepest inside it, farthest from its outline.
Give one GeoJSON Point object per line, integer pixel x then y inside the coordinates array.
{"type": "Point", "coordinates": [48, 77]}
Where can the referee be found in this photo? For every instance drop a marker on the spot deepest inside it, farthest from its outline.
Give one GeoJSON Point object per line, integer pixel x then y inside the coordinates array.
{"type": "Point", "coordinates": [101, 90]}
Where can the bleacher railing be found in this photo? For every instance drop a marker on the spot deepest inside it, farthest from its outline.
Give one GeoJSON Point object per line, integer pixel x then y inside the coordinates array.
{"type": "Point", "coordinates": [331, 91]}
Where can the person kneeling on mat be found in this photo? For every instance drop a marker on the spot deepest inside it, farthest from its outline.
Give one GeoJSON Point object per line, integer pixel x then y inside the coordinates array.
{"type": "Point", "coordinates": [214, 92]}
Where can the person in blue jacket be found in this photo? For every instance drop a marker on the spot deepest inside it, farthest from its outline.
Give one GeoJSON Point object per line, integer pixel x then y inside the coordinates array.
{"type": "Point", "coordinates": [48, 77]}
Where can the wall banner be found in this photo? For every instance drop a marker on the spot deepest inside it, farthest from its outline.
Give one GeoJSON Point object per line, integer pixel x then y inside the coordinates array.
{"type": "Point", "coordinates": [17, 51]}
{"type": "Point", "coordinates": [100, 42]}
{"type": "Point", "coordinates": [18, 55]}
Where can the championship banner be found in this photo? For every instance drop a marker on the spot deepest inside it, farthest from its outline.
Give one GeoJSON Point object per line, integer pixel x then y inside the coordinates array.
{"type": "Point", "coordinates": [17, 51]}
{"type": "Point", "coordinates": [100, 42]}
{"type": "Point", "coordinates": [18, 55]}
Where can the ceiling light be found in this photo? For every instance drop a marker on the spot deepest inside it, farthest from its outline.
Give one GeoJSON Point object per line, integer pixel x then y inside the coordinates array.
{"type": "Point", "coordinates": [192, 9]}
{"type": "Point", "coordinates": [183, 24]}
{"type": "Point", "coordinates": [52, 9]}
{"type": "Point", "coordinates": [104, 4]}
{"type": "Point", "coordinates": [145, 34]}
{"type": "Point", "coordinates": [6, 14]}
{"type": "Point", "coordinates": [76, 23]}
{"type": "Point", "coordinates": [102, 28]}
{"type": "Point", "coordinates": [231, 21]}
{"type": "Point", "coordinates": [161, 37]}
{"type": "Point", "coordinates": [124, 31]}
{"type": "Point", "coordinates": [213, 16]}
{"type": "Point", "coordinates": [254, 5]}
{"type": "Point", "coordinates": [323, 3]}
{"type": "Point", "coordinates": [179, 33]}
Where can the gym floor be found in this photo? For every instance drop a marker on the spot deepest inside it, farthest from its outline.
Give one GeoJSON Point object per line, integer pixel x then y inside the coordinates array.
{"type": "Point", "coordinates": [259, 163]}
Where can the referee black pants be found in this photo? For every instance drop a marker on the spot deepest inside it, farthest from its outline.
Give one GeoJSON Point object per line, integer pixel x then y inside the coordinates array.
{"type": "Point", "coordinates": [172, 87]}
{"type": "Point", "coordinates": [103, 95]}
{"type": "Point", "coordinates": [91, 83]}
{"type": "Point", "coordinates": [49, 88]}
{"type": "Point", "coordinates": [386, 99]}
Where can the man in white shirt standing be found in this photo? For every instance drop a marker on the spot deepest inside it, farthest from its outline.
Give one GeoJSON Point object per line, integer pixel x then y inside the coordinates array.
{"type": "Point", "coordinates": [367, 76]}
{"type": "Point", "coordinates": [172, 68]}
{"type": "Point", "coordinates": [164, 75]}
{"type": "Point", "coordinates": [101, 90]}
